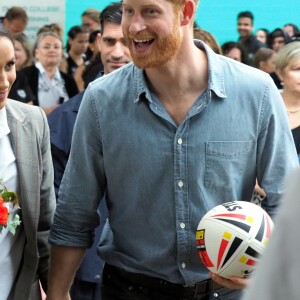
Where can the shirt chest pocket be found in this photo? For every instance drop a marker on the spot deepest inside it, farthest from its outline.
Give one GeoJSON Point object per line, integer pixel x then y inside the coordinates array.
{"type": "Point", "coordinates": [225, 162]}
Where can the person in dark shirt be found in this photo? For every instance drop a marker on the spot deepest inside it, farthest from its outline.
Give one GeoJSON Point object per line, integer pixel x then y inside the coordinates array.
{"type": "Point", "coordinates": [277, 39]}
{"type": "Point", "coordinates": [77, 45]}
{"type": "Point", "coordinates": [247, 39]}
{"type": "Point", "coordinates": [21, 90]}
{"type": "Point", "coordinates": [61, 121]}
{"type": "Point", "coordinates": [287, 64]}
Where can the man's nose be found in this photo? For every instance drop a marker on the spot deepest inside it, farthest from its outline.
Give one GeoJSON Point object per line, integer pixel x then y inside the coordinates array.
{"type": "Point", "coordinates": [118, 50]}
{"type": "Point", "coordinates": [137, 24]}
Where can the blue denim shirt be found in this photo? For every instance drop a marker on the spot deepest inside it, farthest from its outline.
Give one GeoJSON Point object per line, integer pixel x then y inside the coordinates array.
{"type": "Point", "coordinates": [160, 179]}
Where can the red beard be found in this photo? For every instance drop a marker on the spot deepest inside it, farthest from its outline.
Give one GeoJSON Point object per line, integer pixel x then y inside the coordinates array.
{"type": "Point", "coordinates": [163, 48]}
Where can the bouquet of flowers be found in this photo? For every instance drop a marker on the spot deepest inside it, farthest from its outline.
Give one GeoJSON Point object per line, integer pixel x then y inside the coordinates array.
{"type": "Point", "coordinates": [8, 203]}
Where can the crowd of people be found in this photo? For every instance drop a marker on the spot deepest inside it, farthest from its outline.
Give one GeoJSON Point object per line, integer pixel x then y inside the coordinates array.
{"type": "Point", "coordinates": [119, 142]}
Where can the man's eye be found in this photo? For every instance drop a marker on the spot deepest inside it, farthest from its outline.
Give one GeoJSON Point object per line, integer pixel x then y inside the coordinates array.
{"type": "Point", "coordinates": [110, 42]}
{"type": "Point", "coordinates": [151, 11]}
{"type": "Point", "coordinates": [127, 11]}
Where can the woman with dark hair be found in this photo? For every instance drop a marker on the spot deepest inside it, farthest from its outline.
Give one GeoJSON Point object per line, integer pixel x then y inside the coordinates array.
{"type": "Point", "coordinates": [88, 71]}
{"type": "Point", "coordinates": [262, 35]}
{"type": "Point", "coordinates": [291, 29]}
{"type": "Point", "coordinates": [78, 41]}
{"type": "Point", "coordinates": [234, 50]}
{"type": "Point", "coordinates": [277, 39]}
{"type": "Point", "coordinates": [23, 51]}
{"type": "Point", "coordinates": [25, 168]}
{"type": "Point", "coordinates": [21, 90]}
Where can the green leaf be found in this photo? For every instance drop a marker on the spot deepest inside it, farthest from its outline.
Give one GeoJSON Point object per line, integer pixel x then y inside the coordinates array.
{"type": "Point", "coordinates": [12, 224]}
{"type": "Point", "coordinates": [10, 197]}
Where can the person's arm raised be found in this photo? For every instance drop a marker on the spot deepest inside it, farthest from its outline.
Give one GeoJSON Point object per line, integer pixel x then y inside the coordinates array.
{"type": "Point", "coordinates": [60, 278]}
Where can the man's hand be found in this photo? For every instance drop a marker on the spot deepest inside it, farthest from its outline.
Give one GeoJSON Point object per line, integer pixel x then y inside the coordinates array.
{"type": "Point", "coordinates": [232, 283]}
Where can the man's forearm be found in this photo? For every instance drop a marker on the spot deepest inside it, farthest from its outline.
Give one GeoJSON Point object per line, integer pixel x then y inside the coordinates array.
{"type": "Point", "coordinates": [64, 261]}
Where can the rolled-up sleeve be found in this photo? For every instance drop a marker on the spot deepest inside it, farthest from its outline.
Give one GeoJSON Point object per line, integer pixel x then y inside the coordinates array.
{"type": "Point", "coordinates": [83, 183]}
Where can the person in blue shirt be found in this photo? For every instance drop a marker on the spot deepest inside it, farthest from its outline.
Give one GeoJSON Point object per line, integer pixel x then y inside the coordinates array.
{"type": "Point", "coordinates": [114, 54]}
{"type": "Point", "coordinates": [166, 138]}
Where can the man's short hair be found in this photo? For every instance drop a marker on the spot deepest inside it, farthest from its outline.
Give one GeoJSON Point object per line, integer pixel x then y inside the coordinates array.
{"type": "Point", "coordinates": [246, 14]}
{"type": "Point", "coordinates": [111, 14]}
{"type": "Point", "coordinates": [16, 13]}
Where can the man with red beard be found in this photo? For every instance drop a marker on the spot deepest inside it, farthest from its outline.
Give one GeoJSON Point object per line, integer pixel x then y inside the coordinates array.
{"type": "Point", "coordinates": [166, 139]}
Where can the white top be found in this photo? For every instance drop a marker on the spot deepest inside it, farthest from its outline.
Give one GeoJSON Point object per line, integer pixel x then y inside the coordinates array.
{"type": "Point", "coordinates": [11, 245]}
{"type": "Point", "coordinates": [50, 91]}
{"type": "Point", "coordinates": [4, 129]}
{"type": "Point", "coordinates": [277, 275]}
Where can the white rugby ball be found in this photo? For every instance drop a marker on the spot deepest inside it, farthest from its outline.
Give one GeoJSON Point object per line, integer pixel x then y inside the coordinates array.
{"type": "Point", "coordinates": [231, 237]}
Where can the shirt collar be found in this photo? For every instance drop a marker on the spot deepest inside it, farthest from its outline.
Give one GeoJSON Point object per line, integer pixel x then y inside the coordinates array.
{"type": "Point", "coordinates": [215, 70]}
{"type": "Point", "coordinates": [215, 75]}
{"type": "Point", "coordinates": [40, 67]}
{"type": "Point", "coordinates": [4, 129]}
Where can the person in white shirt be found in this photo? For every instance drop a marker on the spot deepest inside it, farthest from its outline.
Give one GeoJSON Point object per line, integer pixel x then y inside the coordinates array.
{"type": "Point", "coordinates": [50, 86]}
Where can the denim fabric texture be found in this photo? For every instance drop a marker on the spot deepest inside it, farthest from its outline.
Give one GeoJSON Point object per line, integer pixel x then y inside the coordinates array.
{"type": "Point", "coordinates": [160, 178]}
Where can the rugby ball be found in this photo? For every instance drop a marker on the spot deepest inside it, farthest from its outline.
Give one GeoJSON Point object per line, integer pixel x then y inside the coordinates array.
{"type": "Point", "coordinates": [231, 237]}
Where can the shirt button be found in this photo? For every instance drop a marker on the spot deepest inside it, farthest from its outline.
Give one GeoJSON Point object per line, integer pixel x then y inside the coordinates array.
{"type": "Point", "coordinates": [182, 225]}
{"type": "Point", "coordinates": [179, 141]}
{"type": "Point", "coordinates": [180, 184]}
{"type": "Point", "coordinates": [183, 265]}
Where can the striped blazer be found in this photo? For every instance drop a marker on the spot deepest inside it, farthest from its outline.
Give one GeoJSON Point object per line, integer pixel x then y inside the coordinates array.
{"type": "Point", "coordinates": [30, 142]}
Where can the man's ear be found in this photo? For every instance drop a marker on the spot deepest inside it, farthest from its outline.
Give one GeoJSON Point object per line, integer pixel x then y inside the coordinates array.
{"type": "Point", "coordinates": [99, 41]}
{"type": "Point", "coordinates": [188, 12]}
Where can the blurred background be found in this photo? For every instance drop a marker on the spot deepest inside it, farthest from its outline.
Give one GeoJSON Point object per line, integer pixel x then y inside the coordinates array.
{"type": "Point", "coordinates": [215, 16]}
